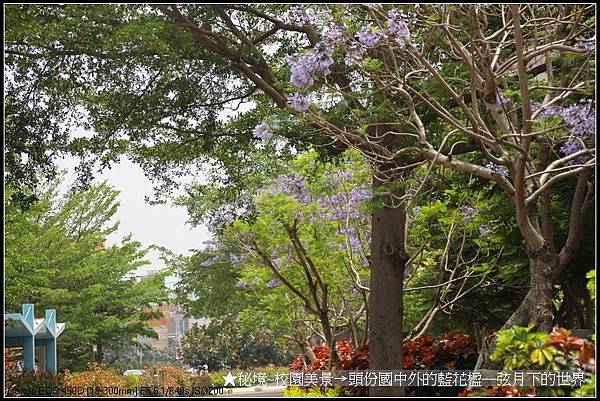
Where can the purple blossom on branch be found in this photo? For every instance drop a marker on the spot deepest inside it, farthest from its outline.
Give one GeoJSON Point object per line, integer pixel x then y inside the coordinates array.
{"type": "Point", "coordinates": [274, 283]}
{"type": "Point", "coordinates": [587, 44]}
{"type": "Point", "coordinates": [501, 99]}
{"type": "Point", "coordinates": [547, 112]}
{"type": "Point", "coordinates": [299, 102]}
{"type": "Point", "coordinates": [571, 146]}
{"type": "Point", "coordinates": [355, 54]}
{"type": "Point", "coordinates": [242, 285]}
{"type": "Point", "coordinates": [334, 35]}
{"type": "Point", "coordinates": [300, 14]}
{"type": "Point", "coordinates": [484, 231]}
{"type": "Point", "coordinates": [305, 66]}
{"type": "Point", "coordinates": [500, 170]}
{"type": "Point", "coordinates": [581, 118]}
{"type": "Point", "coordinates": [398, 27]}
{"type": "Point", "coordinates": [369, 37]}
{"type": "Point", "coordinates": [263, 131]}
{"type": "Point", "coordinates": [468, 212]}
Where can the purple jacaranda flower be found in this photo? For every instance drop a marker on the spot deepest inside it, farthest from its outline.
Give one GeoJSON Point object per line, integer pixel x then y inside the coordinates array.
{"type": "Point", "coordinates": [587, 44]}
{"type": "Point", "coordinates": [300, 15]}
{"type": "Point", "coordinates": [397, 27]}
{"type": "Point", "coordinates": [572, 146]}
{"type": "Point", "coordinates": [334, 35]}
{"type": "Point", "coordinates": [581, 118]}
{"type": "Point", "coordinates": [209, 262]}
{"type": "Point", "coordinates": [263, 131]}
{"type": "Point", "coordinates": [501, 99]}
{"type": "Point", "coordinates": [304, 67]}
{"type": "Point", "coordinates": [468, 212]}
{"type": "Point", "coordinates": [501, 170]}
{"type": "Point", "coordinates": [369, 37]}
{"type": "Point", "coordinates": [355, 54]}
{"type": "Point", "coordinates": [274, 283]}
{"type": "Point", "coordinates": [547, 111]}
{"type": "Point", "coordinates": [361, 195]}
{"type": "Point", "coordinates": [299, 102]}
{"type": "Point", "coordinates": [484, 231]}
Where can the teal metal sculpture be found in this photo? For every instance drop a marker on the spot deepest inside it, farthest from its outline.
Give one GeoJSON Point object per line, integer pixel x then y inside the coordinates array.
{"type": "Point", "coordinates": [24, 330]}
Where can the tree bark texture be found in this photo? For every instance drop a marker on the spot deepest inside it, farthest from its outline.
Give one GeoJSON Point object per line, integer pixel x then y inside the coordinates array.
{"type": "Point", "coordinates": [388, 258]}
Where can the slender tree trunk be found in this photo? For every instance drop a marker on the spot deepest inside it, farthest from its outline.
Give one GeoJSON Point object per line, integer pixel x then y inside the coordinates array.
{"type": "Point", "coordinates": [99, 353]}
{"type": "Point", "coordinates": [388, 257]}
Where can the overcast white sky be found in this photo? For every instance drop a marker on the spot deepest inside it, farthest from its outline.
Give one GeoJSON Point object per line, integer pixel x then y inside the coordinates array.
{"type": "Point", "coordinates": [163, 225]}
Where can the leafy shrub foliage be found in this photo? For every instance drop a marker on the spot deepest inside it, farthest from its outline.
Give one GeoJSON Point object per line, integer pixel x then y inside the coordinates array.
{"type": "Point", "coordinates": [520, 349]}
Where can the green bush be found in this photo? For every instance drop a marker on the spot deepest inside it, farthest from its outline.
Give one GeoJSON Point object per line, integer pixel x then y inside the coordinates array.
{"type": "Point", "coordinates": [311, 392]}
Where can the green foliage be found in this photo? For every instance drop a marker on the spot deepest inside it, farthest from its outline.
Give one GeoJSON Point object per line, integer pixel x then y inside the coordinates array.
{"type": "Point", "coordinates": [591, 284]}
{"type": "Point", "coordinates": [223, 344]}
{"type": "Point", "coordinates": [519, 349]}
{"type": "Point", "coordinates": [57, 257]}
{"type": "Point", "coordinates": [587, 390]}
{"type": "Point", "coordinates": [295, 391]}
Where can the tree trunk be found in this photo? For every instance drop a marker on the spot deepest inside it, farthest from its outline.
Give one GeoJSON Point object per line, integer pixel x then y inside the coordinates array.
{"type": "Point", "coordinates": [99, 353]}
{"type": "Point", "coordinates": [536, 308]}
{"type": "Point", "coordinates": [541, 313]}
{"type": "Point", "coordinates": [388, 257]}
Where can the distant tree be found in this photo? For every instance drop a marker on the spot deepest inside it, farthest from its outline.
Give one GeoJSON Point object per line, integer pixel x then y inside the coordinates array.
{"type": "Point", "coordinates": [57, 257]}
{"type": "Point", "coordinates": [223, 343]}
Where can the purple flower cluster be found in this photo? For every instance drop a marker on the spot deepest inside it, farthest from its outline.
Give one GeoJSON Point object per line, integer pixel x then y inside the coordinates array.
{"type": "Point", "coordinates": [468, 212]}
{"type": "Point", "coordinates": [234, 259]}
{"type": "Point", "coordinates": [587, 44]}
{"type": "Point", "coordinates": [305, 67]}
{"type": "Point", "coordinates": [573, 145]}
{"type": "Point", "coordinates": [242, 285]}
{"type": "Point", "coordinates": [333, 36]}
{"type": "Point", "coordinates": [370, 37]}
{"type": "Point", "coordinates": [355, 54]}
{"type": "Point", "coordinates": [218, 222]}
{"type": "Point", "coordinates": [398, 27]}
{"type": "Point", "coordinates": [300, 14]}
{"type": "Point", "coordinates": [361, 195]}
{"type": "Point", "coordinates": [581, 118]}
{"type": "Point", "coordinates": [373, 6]}
{"type": "Point", "coordinates": [299, 102]}
{"type": "Point", "coordinates": [263, 131]}
{"type": "Point", "coordinates": [293, 185]}
{"type": "Point", "coordinates": [500, 170]}
{"type": "Point", "coordinates": [484, 231]}
{"type": "Point", "coordinates": [336, 179]}
{"type": "Point", "coordinates": [210, 261]}
{"type": "Point", "coordinates": [353, 238]}
{"type": "Point", "coordinates": [274, 283]}
{"type": "Point", "coordinates": [547, 112]}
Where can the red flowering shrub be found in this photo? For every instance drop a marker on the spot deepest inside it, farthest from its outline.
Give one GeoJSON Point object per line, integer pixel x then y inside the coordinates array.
{"type": "Point", "coordinates": [100, 378]}
{"type": "Point", "coordinates": [16, 382]}
{"type": "Point", "coordinates": [449, 351]}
